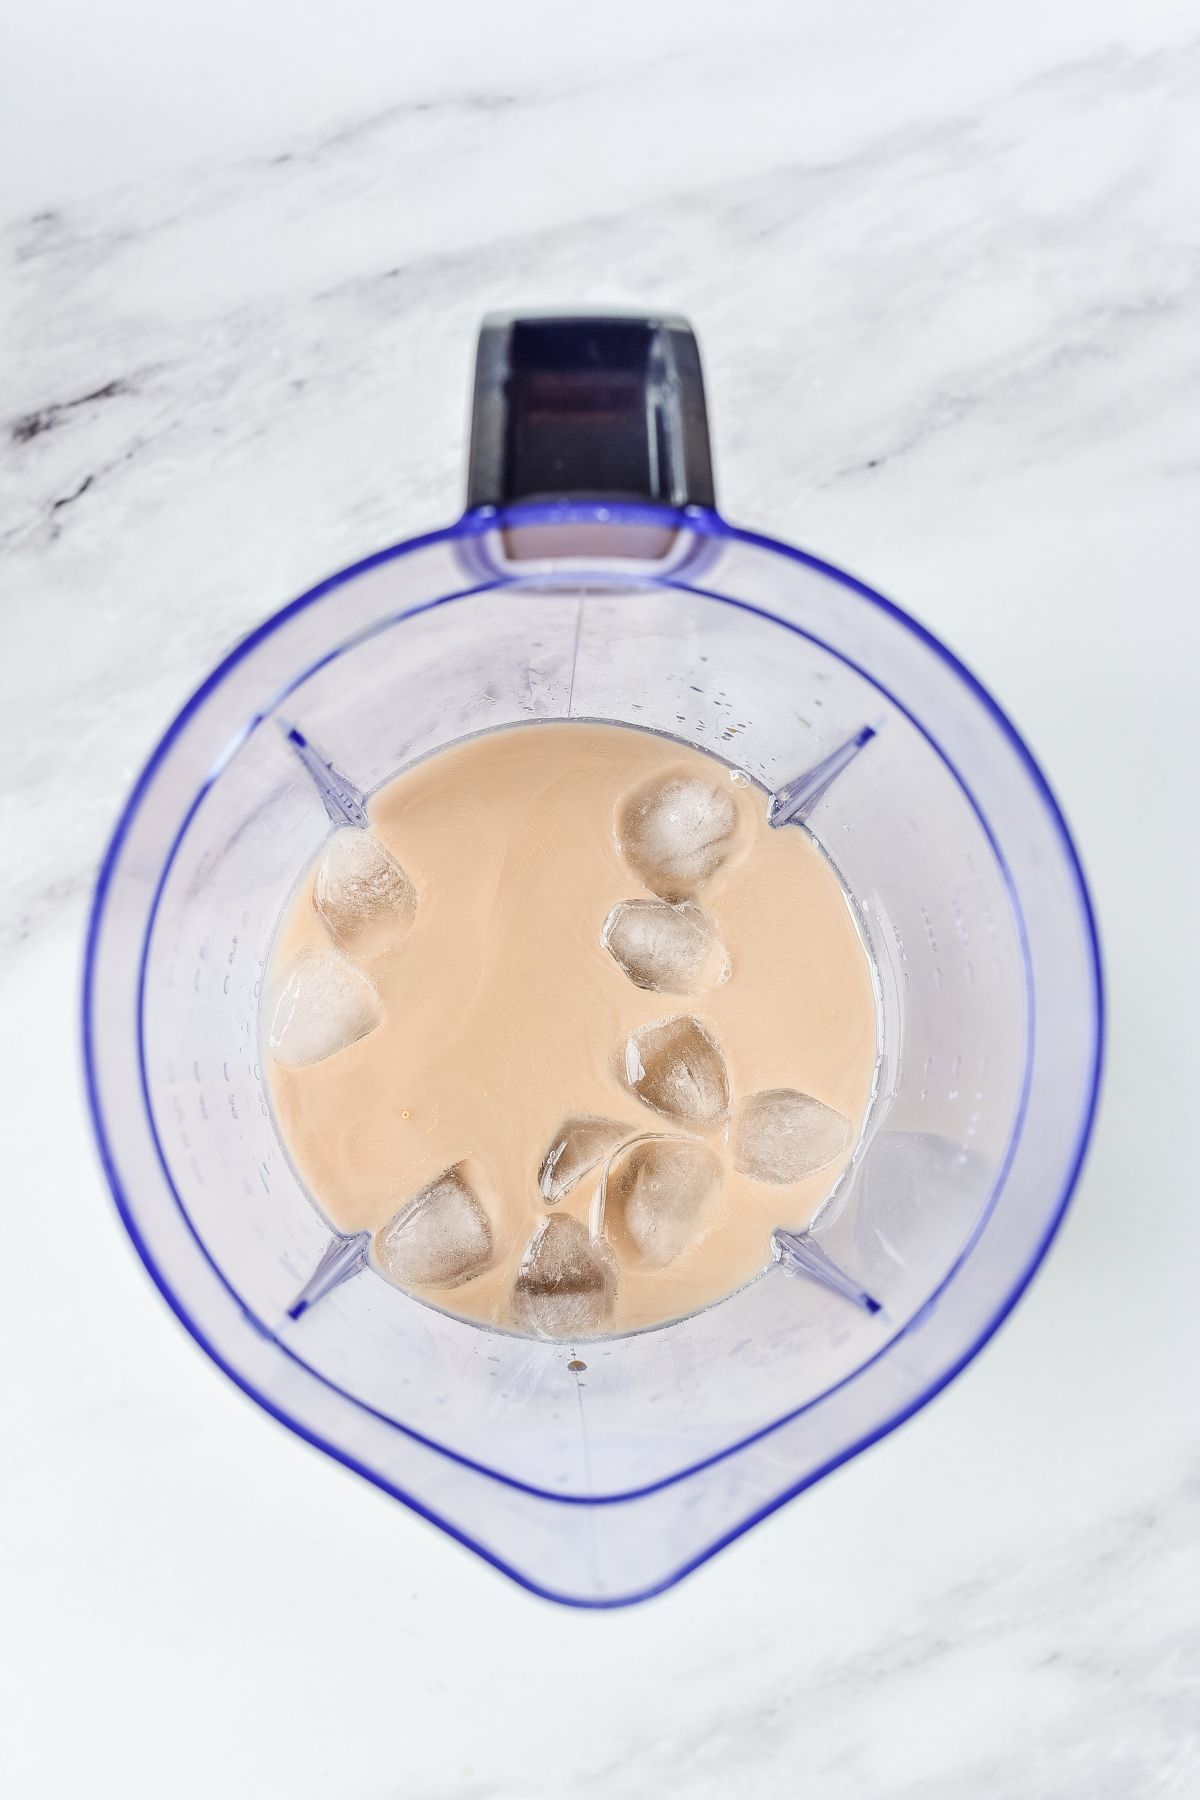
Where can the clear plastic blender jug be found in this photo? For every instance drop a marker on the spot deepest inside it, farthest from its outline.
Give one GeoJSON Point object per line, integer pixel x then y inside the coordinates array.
{"type": "Point", "coordinates": [624, 597]}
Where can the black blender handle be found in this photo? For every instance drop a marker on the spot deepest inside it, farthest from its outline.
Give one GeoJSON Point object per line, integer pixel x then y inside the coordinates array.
{"type": "Point", "coordinates": [588, 407]}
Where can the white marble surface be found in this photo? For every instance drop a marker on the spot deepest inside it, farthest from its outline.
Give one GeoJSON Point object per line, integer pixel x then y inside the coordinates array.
{"type": "Point", "coordinates": [945, 269]}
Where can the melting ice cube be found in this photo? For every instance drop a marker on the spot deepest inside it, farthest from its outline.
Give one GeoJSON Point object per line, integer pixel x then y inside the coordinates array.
{"type": "Point", "coordinates": [323, 1006]}
{"type": "Point", "coordinates": [577, 1146]}
{"type": "Point", "coordinates": [675, 1067]}
{"type": "Point", "coordinates": [566, 1283]}
{"type": "Point", "coordinates": [440, 1239]}
{"type": "Point", "coordinates": [656, 1190]}
{"type": "Point", "coordinates": [362, 893]}
{"type": "Point", "coordinates": [671, 949]}
{"type": "Point", "coordinates": [675, 834]}
{"type": "Point", "coordinates": [782, 1135]}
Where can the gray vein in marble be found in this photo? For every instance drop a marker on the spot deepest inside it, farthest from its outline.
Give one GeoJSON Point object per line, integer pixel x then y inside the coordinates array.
{"type": "Point", "coordinates": [1077, 1676]}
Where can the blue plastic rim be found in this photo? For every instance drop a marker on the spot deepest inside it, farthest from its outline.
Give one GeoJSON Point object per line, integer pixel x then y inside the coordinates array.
{"type": "Point", "coordinates": [706, 528]}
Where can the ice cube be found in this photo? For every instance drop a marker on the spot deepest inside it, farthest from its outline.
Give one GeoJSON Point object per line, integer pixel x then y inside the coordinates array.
{"type": "Point", "coordinates": [566, 1283]}
{"type": "Point", "coordinates": [675, 1067]}
{"type": "Point", "coordinates": [655, 1192]}
{"type": "Point", "coordinates": [577, 1146]}
{"type": "Point", "coordinates": [362, 893]}
{"type": "Point", "coordinates": [670, 949]}
{"type": "Point", "coordinates": [323, 1006]}
{"type": "Point", "coordinates": [781, 1135]}
{"type": "Point", "coordinates": [674, 834]}
{"type": "Point", "coordinates": [440, 1239]}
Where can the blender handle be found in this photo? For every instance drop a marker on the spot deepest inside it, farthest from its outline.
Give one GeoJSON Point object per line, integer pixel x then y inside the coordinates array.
{"type": "Point", "coordinates": [578, 406]}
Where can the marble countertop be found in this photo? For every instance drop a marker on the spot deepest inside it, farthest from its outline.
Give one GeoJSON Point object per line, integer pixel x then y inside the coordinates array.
{"type": "Point", "coordinates": [944, 270]}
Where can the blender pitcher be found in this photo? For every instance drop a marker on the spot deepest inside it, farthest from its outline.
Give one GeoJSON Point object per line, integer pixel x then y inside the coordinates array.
{"type": "Point", "coordinates": [591, 577]}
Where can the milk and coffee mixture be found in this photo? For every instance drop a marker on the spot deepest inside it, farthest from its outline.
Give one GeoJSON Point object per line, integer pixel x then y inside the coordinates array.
{"type": "Point", "coordinates": [569, 1029]}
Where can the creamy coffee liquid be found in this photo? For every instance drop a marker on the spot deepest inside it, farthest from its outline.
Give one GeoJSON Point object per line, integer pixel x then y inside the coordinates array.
{"type": "Point", "coordinates": [557, 940]}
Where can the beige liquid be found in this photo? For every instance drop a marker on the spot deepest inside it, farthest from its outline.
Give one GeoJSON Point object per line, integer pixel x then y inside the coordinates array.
{"type": "Point", "coordinates": [503, 1013]}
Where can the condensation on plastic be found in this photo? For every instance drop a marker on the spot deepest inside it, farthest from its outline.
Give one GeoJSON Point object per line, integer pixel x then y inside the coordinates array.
{"type": "Point", "coordinates": [599, 1472]}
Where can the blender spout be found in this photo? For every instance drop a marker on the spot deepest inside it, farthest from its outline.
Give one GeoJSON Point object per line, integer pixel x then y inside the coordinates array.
{"type": "Point", "coordinates": [344, 1257]}
{"type": "Point", "coordinates": [798, 1253]}
{"type": "Point", "coordinates": [343, 801]}
{"type": "Point", "coordinates": [796, 799]}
